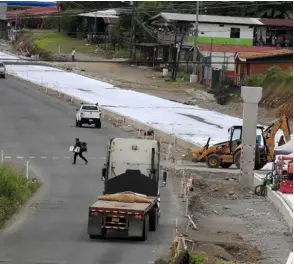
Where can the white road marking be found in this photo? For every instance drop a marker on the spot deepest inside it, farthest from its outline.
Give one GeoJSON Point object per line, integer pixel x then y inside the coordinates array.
{"type": "Point", "coordinates": [48, 157]}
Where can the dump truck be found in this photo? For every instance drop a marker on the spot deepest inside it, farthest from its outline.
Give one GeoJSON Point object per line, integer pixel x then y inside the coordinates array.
{"type": "Point", "coordinates": [131, 198]}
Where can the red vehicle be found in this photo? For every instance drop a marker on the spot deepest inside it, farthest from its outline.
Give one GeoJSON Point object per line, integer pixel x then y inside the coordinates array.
{"type": "Point", "coordinates": [286, 184]}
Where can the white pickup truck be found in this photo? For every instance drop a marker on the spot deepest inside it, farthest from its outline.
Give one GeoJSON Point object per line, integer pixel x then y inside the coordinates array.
{"type": "Point", "coordinates": [88, 114]}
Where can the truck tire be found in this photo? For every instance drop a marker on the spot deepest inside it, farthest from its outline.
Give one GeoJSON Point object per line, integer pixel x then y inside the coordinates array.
{"type": "Point", "coordinates": [237, 159]}
{"type": "Point", "coordinates": [98, 124]}
{"type": "Point", "coordinates": [145, 229]}
{"type": "Point", "coordinates": [213, 161]}
{"type": "Point", "coordinates": [77, 123]}
{"type": "Point", "coordinates": [153, 219]}
{"type": "Point", "coordinates": [103, 234]}
{"type": "Point", "coordinates": [93, 236]}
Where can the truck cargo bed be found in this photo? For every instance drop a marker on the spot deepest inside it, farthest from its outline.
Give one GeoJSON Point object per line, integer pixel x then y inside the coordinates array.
{"type": "Point", "coordinates": [123, 206]}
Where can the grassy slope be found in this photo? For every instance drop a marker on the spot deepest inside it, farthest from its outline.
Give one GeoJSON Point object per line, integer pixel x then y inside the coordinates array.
{"type": "Point", "coordinates": [52, 41]}
{"type": "Point", "coordinates": [15, 190]}
{"type": "Point", "coordinates": [277, 90]}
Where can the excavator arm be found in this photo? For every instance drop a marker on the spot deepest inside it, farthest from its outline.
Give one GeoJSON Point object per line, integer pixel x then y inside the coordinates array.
{"type": "Point", "coordinates": [270, 133]}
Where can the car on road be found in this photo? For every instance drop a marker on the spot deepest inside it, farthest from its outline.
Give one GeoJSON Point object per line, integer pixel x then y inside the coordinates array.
{"type": "Point", "coordinates": [89, 114]}
{"type": "Point", "coordinates": [2, 70]}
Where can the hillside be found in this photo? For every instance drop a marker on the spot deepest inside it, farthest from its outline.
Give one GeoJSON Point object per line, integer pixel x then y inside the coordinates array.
{"type": "Point", "coordinates": [277, 90]}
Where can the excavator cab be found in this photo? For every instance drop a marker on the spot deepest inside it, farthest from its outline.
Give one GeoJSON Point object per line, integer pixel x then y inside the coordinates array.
{"type": "Point", "coordinates": [235, 137]}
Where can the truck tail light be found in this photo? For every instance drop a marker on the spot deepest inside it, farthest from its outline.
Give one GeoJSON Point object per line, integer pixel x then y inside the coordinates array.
{"type": "Point", "coordinates": [138, 216]}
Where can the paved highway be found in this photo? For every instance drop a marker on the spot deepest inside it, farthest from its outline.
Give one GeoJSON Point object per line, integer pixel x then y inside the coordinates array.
{"type": "Point", "coordinates": [53, 228]}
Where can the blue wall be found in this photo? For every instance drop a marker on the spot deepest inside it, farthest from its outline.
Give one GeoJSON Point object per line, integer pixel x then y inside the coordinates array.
{"type": "Point", "coordinates": [29, 3]}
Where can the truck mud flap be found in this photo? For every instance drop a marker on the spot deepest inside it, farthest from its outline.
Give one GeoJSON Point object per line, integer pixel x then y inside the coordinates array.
{"type": "Point", "coordinates": [135, 228]}
{"type": "Point", "coordinates": [95, 225]}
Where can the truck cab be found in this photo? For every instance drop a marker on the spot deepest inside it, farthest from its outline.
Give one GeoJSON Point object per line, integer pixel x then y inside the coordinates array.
{"type": "Point", "coordinates": [132, 165]}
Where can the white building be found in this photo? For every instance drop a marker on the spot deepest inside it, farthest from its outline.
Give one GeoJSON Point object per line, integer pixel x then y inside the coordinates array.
{"type": "Point", "coordinates": [213, 29]}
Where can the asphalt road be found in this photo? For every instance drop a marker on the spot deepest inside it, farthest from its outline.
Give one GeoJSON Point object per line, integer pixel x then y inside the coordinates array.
{"type": "Point", "coordinates": [53, 227]}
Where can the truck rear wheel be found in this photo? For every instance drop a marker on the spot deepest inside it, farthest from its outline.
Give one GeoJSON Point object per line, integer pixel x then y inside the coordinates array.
{"type": "Point", "coordinates": [103, 234]}
{"type": "Point", "coordinates": [93, 236]}
{"type": "Point", "coordinates": [145, 229]}
{"type": "Point", "coordinates": [153, 219]}
{"type": "Point", "coordinates": [98, 123]}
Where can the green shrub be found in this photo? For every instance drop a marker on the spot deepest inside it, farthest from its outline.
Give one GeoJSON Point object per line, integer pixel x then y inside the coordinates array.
{"type": "Point", "coordinates": [15, 190]}
{"type": "Point", "coordinates": [199, 257]}
{"type": "Point", "coordinates": [255, 80]}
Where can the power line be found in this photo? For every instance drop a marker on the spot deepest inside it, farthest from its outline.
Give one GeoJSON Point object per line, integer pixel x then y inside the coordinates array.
{"type": "Point", "coordinates": [143, 9]}
{"type": "Point", "coordinates": [29, 62]}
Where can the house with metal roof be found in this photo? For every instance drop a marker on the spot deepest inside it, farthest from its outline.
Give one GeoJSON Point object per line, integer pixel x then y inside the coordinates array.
{"type": "Point", "coordinates": [252, 63]}
{"type": "Point", "coordinates": [213, 29]}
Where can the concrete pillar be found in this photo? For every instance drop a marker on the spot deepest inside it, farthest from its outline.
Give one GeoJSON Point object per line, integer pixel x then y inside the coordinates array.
{"type": "Point", "coordinates": [251, 97]}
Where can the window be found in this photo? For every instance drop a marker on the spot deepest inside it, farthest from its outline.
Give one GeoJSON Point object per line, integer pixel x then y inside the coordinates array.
{"type": "Point", "coordinates": [235, 33]}
{"type": "Point", "coordinates": [90, 107]}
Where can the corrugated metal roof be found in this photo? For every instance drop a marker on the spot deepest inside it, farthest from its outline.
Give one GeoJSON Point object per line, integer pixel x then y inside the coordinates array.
{"type": "Point", "coordinates": [209, 19]}
{"type": "Point", "coordinates": [277, 22]}
{"type": "Point", "coordinates": [232, 48]}
{"type": "Point", "coordinates": [104, 13]}
{"type": "Point", "coordinates": [35, 11]}
{"type": "Point", "coordinates": [257, 55]}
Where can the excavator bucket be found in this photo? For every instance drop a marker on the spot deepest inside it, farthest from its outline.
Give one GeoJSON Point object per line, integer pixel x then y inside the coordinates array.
{"type": "Point", "coordinates": [191, 154]}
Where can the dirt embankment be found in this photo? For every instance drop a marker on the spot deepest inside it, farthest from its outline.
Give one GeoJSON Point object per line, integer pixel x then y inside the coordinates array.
{"type": "Point", "coordinates": [233, 224]}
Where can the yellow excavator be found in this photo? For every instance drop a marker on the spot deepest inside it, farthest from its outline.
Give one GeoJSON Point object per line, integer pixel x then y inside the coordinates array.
{"type": "Point", "coordinates": [227, 153]}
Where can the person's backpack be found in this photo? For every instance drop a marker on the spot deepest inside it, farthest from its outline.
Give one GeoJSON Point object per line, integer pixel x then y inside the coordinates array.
{"type": "Point", "coordinates": [84, 147]}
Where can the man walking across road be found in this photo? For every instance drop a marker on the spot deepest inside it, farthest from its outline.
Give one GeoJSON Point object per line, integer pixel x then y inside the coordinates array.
{"type": "Point", "coordinates": [73, 54]}
{"type": "Point", "coordinates": [79, 148]}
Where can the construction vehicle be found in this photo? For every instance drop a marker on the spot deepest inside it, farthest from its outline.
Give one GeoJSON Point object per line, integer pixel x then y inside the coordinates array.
{"type": "Point", "coordinates": [131, 197]}
{"type": "Point", "coordinates": [227, 153]}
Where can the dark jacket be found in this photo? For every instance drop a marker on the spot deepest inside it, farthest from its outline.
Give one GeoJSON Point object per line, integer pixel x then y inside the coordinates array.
{"type": "Point", "coordinates": [78, 144]}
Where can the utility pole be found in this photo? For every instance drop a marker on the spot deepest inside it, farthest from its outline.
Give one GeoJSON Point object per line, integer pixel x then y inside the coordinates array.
{"type": "Point", "coordinates": [58, 16]}
{"type": "Point", "coordinates": [194, 77]}
{"type": "Point", "coordinates": [132, 37]}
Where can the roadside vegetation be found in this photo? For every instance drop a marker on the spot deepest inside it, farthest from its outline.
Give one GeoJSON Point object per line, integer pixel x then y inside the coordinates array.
{"type": "Point", "coordinates": [15, 190]}
{"type": "Point", "coordinates": [197, 258]}
{"type": "Point", "coordinates": [277, 90]}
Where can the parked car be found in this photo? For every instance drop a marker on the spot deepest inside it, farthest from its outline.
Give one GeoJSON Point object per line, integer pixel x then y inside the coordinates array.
{"type": "Point", "coordinates": [2, 70]}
